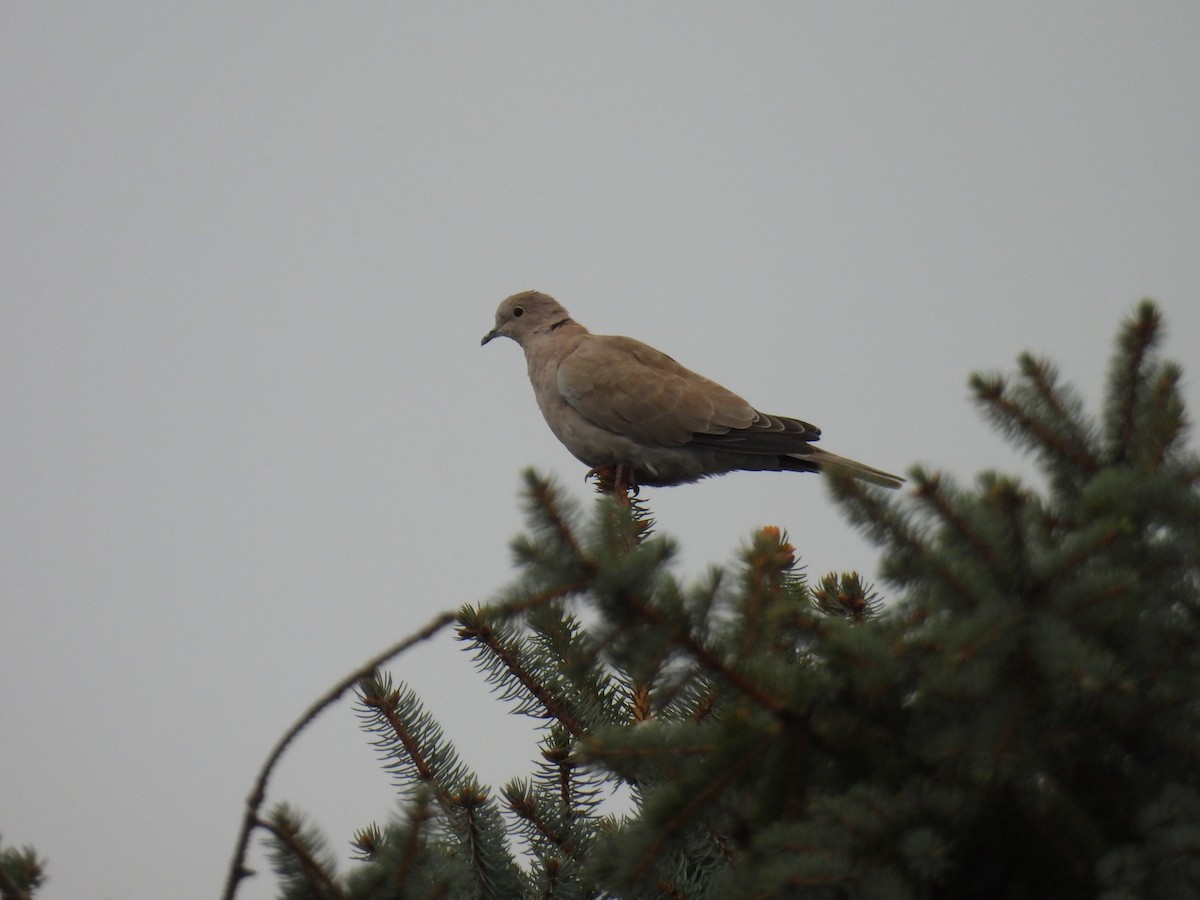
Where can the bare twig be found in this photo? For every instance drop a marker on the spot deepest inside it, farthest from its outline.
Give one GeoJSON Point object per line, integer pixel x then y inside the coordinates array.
{"type": "Point", "coordinates": [251, 820]}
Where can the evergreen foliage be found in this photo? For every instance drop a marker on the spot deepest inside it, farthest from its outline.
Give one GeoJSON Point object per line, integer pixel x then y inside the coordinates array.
{"type": "Point", "coordinates": [1023, 722]}
{"type": "Point", "coordinates": [22, 872]}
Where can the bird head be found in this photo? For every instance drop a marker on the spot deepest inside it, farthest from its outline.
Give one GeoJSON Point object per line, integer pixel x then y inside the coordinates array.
{"type": "Point", "coordinates": [526, 314]}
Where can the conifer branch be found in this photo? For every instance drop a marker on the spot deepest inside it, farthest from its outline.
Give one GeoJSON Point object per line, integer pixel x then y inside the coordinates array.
{"type": "Point", "coordinates": [559, 758]}
{"type": "Point", "coordinates": [711, 661]}
{"type": "Point", "coordinates": [1042, 375]}
{"type": "Point", "coordinates": [418, 819]}
{"type": "Point", "coordinates": [10, 890]}
{"type": "Point", "coordinates": [541, 598]}
{"type": "Point", "coordinates": [1136, 339]}
{"type": "Point", "coordinates": [1010, 500]}
{"type": "Point", "coordinates": [478, 631]}
{"type": "Point", "coordinates": [972, 648]}
{"type": "Point", "coordinates": [470, 800]}
{"type": "Point", "coordinates": [367, 842]}
{"type": "Point", "coordinates": [1105, 593]}
{"type": "Point", "coordinates": [1102, 541]}
{"type": "Point", "coordinates": [769, 576]}
{"type": "Point", "coordinates": [879, 514]}
{"type": "Point", "coordinates": [1044, 379]}
{"type": "Point", "coordinates": [386, 706]}
{"type": "Point", "coordinates": [991, 393]}
{"type": "Point", "coordinates": [846, 598]}
{"type": "Point", "coordinates": [523, 806]}
{"type": "Point", "coordinates": [402, 846]}
{"type": "Point", "coordinates": [930, 489]}
{"type": "Point", "coordinates": [1166, 410]}
{"type": "Point", "coordinates": [641, 707]}
{"type": "Point", "coordinates": [288, 833]}
{"type": "Point", "coordinates": [1023, 724]}
{"type": "Point", "coordinates": [686, 814]}
{"type": "Point", "coordinates": [21, 872]}
{"type": "Point", "coordinates": [543, 498]}
{"type": "Point", "coordinates": [251, 820]}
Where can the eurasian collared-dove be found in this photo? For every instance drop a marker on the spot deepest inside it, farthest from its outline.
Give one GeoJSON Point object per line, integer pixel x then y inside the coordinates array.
{"type": "Point", "coordinates": [616, 402]}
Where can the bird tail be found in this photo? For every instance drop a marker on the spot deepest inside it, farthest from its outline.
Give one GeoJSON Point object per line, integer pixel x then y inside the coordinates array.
{"type": "Point", "coordinates": [824, 461]}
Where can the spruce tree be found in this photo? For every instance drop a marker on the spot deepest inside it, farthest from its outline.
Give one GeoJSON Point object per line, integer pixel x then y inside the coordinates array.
{"type": "Point", "coordinates": [1023, 720]}
{"type": "Point", "coordinates": [1020, 720]}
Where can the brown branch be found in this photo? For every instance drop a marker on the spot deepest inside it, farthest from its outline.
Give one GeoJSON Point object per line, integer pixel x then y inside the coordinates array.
{"type": "Point", "coordinates": [932, 491]}
{"type": "Point", "coordinates": [902, 536]}
{"type": "Point", "coordinates": [1164, 392]}
{"type": "Point", "coordinates": [10, 890]}
{"type": "Point", "coordinates": [684, 815]}
{"type": "Point", "coordinates": [1105, 593]}
{"type": "Point", "coordinates": [1047, 436]}
{"type": "Point", "coordinates": [543, 597]}
{"type": "Point", "coordinates": [386, 707]}
{"type": "Point", "coordinates": [1138, 337]}
{"type": "Point", "coordinates": [1035, 370]}
{"type": "Point", "coordinates": [1102, 541]}
{"type": "Point", "coordinates": [313, 870]}
{"type": "Point", "coordinates": [546, 497]}
{"type": "Point", "coordinates": [413, 843]}
{"type": "Point", "coordinates": [527, 810]}
{"type": "Point", "coordinates": [972, 647]}
{"type": "Point", "coordinates": [709, 659]}
{"type": "Point", "coordinates": [251, 820]}
{"type": "Point", "coordinates": [483, 634]}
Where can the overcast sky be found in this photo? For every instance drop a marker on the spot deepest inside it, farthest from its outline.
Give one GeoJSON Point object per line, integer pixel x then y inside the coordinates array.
{"type": "Point", "coordinates": [248, 436]}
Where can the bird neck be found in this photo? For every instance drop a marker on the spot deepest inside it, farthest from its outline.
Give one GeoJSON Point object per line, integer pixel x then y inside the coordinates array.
{"type": "Point", "coordinates": [553, 342]}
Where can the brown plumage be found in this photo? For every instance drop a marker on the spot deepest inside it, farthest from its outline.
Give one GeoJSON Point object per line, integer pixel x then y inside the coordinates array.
{"type": "Point", "coordinates": [614, 401]}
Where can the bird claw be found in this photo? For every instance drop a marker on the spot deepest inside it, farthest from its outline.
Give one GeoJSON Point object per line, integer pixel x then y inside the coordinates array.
{"type": "Point", "coordinates": [617, 480]}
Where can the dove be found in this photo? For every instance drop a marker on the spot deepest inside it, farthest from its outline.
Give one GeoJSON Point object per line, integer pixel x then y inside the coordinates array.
{"type": "Point", "coordinates": [619, 404]}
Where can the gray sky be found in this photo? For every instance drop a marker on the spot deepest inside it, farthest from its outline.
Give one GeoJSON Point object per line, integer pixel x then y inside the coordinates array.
{"type": "Point", "coordinates": [248, 252]}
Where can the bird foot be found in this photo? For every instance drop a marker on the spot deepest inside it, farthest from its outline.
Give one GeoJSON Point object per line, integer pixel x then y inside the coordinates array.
{"type": "Point", "coordinates": [618, 480]}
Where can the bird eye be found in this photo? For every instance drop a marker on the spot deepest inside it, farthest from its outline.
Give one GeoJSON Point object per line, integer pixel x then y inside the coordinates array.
{"type": "Point", "coordinates": [518, 311]}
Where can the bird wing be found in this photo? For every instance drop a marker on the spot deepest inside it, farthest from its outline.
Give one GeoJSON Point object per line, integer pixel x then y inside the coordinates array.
{"type": "Point", "coordinates": [631, 389]}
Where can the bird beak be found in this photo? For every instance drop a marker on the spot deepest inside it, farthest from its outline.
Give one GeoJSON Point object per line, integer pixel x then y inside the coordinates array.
{"type": "Point", "coordinates": [487, 337]}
